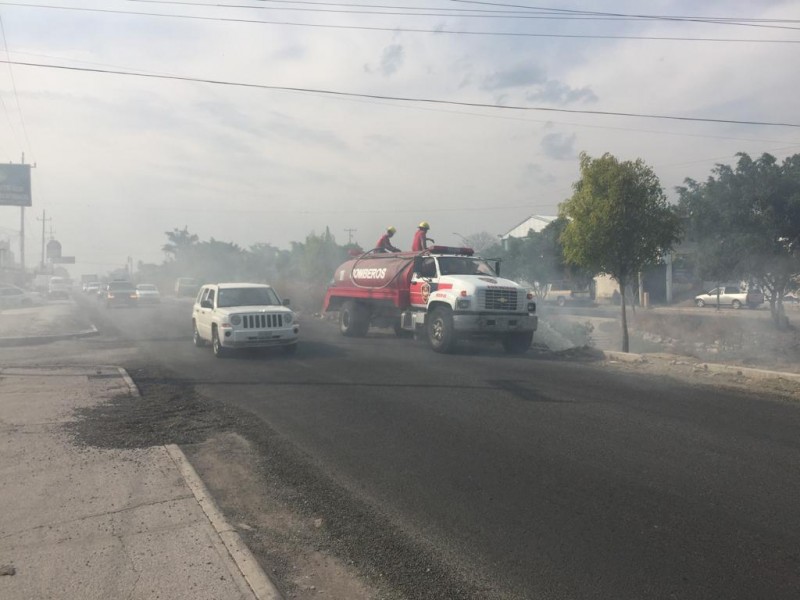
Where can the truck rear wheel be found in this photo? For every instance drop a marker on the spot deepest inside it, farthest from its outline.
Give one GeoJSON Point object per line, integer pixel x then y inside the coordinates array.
{"type": "Point", "coordinates": [441, 333]}
{"type": "Point", "coordinates": [353, 319]}
{"type": "Point", "coordinates": [517, 342]}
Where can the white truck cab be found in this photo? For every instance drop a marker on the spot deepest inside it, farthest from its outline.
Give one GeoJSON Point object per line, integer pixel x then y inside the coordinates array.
{"type": "Point", "coordinates": [243, 315]}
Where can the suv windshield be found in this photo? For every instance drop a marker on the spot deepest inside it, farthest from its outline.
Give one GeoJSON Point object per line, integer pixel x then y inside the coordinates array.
{"type": "Point", "coordinates": [457, 265]}
{"type": "Point", "coordinates": [247, 297]}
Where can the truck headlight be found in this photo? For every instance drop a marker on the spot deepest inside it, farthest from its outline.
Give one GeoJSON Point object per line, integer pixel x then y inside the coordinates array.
{"type": "Point", "coordinates": [288, 318]}
{"type": "Point", "coordinates": [236, 320]}
{"type": "Point", "coordinates": [531, 307]}
{"type": "Point", "coordinates": [463, 303]}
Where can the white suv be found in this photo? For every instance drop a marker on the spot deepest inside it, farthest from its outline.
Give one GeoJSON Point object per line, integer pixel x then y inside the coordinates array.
{"type": "Point", "coordinates": [243, 315]}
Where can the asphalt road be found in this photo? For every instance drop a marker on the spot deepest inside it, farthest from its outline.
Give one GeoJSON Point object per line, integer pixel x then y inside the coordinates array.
{"type": "Point", "coordinates": [544, 478]}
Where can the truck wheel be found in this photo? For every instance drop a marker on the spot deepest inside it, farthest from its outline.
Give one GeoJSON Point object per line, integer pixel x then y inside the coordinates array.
{"type": "Point", "coordinates": [517, 342]}
{"type": "Point", "coordinates": [196, 339]}
{"type": "Point", "coordinates": [216, 344]}
{"type": "Point", "coordinates": [736, 304]}
{"type": "Point", "coordinates": [441, 333]}
{"type": "Point", "coordinates": [353, 320]}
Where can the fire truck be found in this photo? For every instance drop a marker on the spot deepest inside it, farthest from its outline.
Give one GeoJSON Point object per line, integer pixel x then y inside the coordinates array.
{"type": "Point", "coordinates": [442, 294]}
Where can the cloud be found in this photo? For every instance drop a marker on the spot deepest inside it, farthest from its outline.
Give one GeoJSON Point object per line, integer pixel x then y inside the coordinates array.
{"type": "Point", "coordinates": [391, 60]}
{"type": "Point", "coordinates": [531, 172]}
{"type": "Point", "coordinates": [558, 146]}
{"type": "Point", "coordinates": [556, 92]}
{"type": "Point", "coordinates": [521, 76]}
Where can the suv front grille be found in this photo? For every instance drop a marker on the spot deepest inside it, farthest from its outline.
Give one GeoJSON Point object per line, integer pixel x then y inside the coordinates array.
{"type": "Point", "coordinates": [500, 299]}
{"type": "Point", "coordinates": [262, 321]}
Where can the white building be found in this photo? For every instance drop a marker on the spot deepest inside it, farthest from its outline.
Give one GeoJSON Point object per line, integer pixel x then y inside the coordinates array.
{"type": "Point", "coordinates": [535, 223]}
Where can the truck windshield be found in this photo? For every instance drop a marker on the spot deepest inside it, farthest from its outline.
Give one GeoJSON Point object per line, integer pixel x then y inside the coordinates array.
{"type": "Point", "coordinates": [460, 265]}
{"type": "Point", "coordinates": [247, 297]}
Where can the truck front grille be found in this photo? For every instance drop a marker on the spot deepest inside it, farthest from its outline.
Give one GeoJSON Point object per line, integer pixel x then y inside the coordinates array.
{"type": "Point", "coordinates": [261, 321]}
{"type": "Point", "coordinates": [500, 299]}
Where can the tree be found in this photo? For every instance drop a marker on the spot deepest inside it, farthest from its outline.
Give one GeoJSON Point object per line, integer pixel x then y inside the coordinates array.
{"type": "Point", "coordinates": [746, 223]}
{"type": "Point", "coordinates": [179, 241]}
{"type": "Point", "coordinates": [480, 242]}
{"type": "Point", "coordinates": [619, 221]}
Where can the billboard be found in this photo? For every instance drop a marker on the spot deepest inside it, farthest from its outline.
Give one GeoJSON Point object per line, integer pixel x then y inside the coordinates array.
{"type": "Point", "coordinates": [15, 185]}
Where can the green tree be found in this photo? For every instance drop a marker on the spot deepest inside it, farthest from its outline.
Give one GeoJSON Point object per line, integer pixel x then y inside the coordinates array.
{"type": "Point", "coordinates": [619, 221]}
{"type": "Point", "coordinates": [746, 223]}
{"type": "Point", "coordinates": [180, 240]}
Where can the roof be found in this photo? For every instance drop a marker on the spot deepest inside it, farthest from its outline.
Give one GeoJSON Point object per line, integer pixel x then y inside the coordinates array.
{"type": "Point", "coordinates": [534, 222]}
{"type": "Point", "coordinates": [223, 286]}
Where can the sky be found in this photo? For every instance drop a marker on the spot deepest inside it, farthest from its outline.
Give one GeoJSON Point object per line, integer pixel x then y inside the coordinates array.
{"type": "Point", "coordinates": [142, 116]}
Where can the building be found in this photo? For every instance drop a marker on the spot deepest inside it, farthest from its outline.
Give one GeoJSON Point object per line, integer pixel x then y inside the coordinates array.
{"type": "Point", "coordinates": [533, 223]}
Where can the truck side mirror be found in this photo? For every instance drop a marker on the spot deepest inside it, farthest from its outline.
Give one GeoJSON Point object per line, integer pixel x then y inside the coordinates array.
{"type": "Point", "coordinates": [287, 302]}
{"type": "Point", "coordinates": [417, 264]}
{"type": "Point", "coordinates": [497, 267]}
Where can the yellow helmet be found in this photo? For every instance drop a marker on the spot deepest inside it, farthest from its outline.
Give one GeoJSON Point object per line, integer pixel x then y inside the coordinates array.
{"type": "Point", "coordinates": [391, 229]}
{"type": "Point", "coordinates": [424, 225]}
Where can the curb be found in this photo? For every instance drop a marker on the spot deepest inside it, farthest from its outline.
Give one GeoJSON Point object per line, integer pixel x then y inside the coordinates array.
{"type": "Point", "coordinates": [712, 367]}
{"type": "Point", "coordinates": [46, 339]}
{"type": "Point", "coordinates": [261, 586]}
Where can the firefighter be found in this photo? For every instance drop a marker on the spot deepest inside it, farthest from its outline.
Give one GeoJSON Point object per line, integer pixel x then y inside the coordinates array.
{"type": "Point", "coordinates": [421, 238]}
{"type": "Point", "coordinates": [384, 244]}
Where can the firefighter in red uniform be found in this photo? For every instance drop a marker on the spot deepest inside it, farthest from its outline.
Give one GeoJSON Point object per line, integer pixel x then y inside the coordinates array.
{"type": "Point", "coordinates": [421, 238]}
{"type": "Point", "coordinates": [384, 244]}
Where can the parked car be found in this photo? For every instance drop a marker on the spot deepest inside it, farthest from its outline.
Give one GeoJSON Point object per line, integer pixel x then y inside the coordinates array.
{"type": "Point", "coordinates": [730, 295]}
{"type": "Point", "coordinates": [120, 293]}
{"type": "Point", "coordinates": [186, 286]}
{"type": "Point", "coordinates": [59, 287]}
{"type": "Point", "coordinates": [147, 293]}
{"type": "Point", "coordinates": [92, 287]}
{"type": "Point", "coordinates": [12, 296]}
{"type": "Point", "coordinates": [563, 293]}
{"type": "Point", "coordinates": [792, 298]}
{"type": "Point", "coordinates": [243, 315]}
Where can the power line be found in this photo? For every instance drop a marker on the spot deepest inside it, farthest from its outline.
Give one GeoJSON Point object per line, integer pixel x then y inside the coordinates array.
{"type": "Point", "coordinates": [400, 98]}
{"type": "Point", "coordinates": [408, 11]}
{"type": "Point", "coordinates": [406, 29]}
{"type": "Point", "coordinates": [14, 88]}
{"type": "Point", "coordinates": [744, 22]}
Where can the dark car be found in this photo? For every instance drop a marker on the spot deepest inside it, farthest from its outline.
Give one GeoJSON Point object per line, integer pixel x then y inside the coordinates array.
{"type": "Point", "coordinates": [120, 293]}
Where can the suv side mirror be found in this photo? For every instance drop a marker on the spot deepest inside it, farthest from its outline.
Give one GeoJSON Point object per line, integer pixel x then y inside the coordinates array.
{"type": "Point", "coordinates": [287, 302]}
{"type": "Point", "coordinates": [206, 304]}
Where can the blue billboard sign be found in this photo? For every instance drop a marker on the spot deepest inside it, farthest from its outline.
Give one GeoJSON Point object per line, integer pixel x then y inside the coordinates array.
{"type": "Point", "coordinates": [15, 185]}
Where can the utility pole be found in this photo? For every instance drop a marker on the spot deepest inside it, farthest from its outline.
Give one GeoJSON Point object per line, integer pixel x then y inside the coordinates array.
{"type": "Point", "coordinates": [350, 233]}
{"type": "Point", "coordinates": [22, 232]}
{"type": "Point", "coordinates": [44, 222]}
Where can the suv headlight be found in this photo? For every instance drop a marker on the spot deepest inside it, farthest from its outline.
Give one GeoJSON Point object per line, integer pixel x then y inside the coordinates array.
{"type": "Point", "coordinates": [288, 318]}
{"type": "Point", "coordinates": [236, 320]}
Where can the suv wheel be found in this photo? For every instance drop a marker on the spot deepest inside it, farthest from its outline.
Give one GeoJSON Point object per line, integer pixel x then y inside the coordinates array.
{"type": "Point", "coordinates": [196, 339]}
{"type": "Point", "coordinates": [216, 344]}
